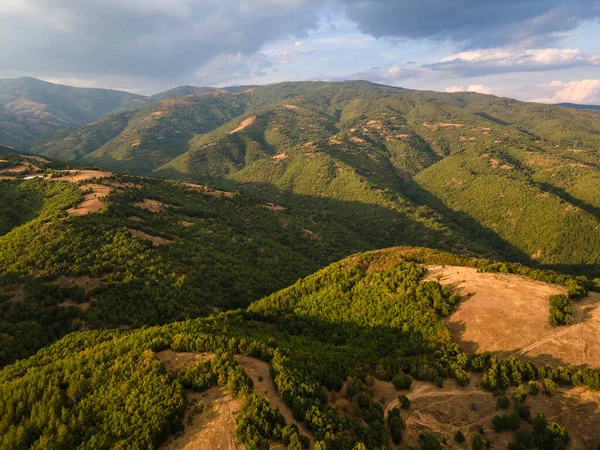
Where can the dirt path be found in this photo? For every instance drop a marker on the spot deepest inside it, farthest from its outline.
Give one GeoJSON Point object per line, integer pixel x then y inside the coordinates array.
{"type": "Point", "coordinates": [222, 406]}
{"type": "Point", "coordinates": [423, 390]}
{"type": "Point", "coordinates": [213, 428]}
{"type": "Point", "coordinates": [260, 373]}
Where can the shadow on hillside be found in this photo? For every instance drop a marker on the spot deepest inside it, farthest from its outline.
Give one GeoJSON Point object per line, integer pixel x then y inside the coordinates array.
{"type": "Point", "coordinates": [492, 119]}
{"type": "Point", "coordinates": [413, 191]}
{"type": "Point", "coordinates": [564, 195]}
{"type": "Point", "coordinates": [384, 227]}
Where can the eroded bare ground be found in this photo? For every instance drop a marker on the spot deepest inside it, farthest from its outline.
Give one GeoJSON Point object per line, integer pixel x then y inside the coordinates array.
{"type": "Point", "coordinates": [156, 240]}
{"type": "Point", "coordinates": [75, 176]}
{"type": "Point", "coordinates": [508, 315]}
{"type": "Point", "coordinates": [260, 373]}
{"type": "Point", "coordinates": [208, 190]}
{"type": "Point", "coordinates": [92, 201]}
{"type": "Point", "coordinates": [152, 205]}
{"type": "Point", "coordinates": [215, 426]}
{"type": "Point", "coordinates": [444, 411]}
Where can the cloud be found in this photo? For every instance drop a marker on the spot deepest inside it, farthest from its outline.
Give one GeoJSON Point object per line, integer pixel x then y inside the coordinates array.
{"type": "Point", "coordinates": [288, 53]}
{"type": "Point", "coordinates": [164, 39]}
{"type": "Point", "coordinates": [503, 60]}
{"type": "Point", "coordinates": [392, 74]}
{"type": "Point", "coordinates": [479, 88]}
{"type": "Point", "coordinates": [165, 42]}
{"type": "Point", "coordinates": [476, 23]}
{"type": "Point", "coordinates": [581, 91]}
{"type": "Point", "coordinates": [578, 91]}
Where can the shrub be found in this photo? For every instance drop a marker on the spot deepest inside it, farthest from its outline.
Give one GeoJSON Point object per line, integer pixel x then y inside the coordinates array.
{"type": "Point", "coordinates": [402, 381]}
{"type": "Point", "coordinates": [428, 442]}
{"type": "Point", "coordinates": [560, 311]}
{"type": "Point", "coordinates": [404, 401]}
{"type": "Point", "coordinates": [502, 402]}
{"type": "Point", "coordinates": [395, 424]}
{"type": "Point", "coordinates": [476, 442]}
{"type": "Point", "coordinates": [549, 386]}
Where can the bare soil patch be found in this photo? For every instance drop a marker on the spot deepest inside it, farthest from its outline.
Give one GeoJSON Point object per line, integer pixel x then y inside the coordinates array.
{"type": "Point", "coordinates": [273, 207]}
{"type": "Point", "coordinates": [218, 423]}
{"type": "Point", "coordinates": [172, 361]}
{"type": "Point", "coordinates": [260, 373]}
{"type": "Point", "coordinates": [292, 107]}
{"type": "Point", "coordinates": [213, 428]}
{"type": "Point", "coordinates": [92, 202]}
{"type": "Point", "coordinates": [435, 126]}
{"type": "Point", "coordinates": [82, 306]}
{"type": "Point", "coordinates": [245, 123]}
{"type": "Point", "coordinates": [152, 205]}
{"type": "Point", "coordinates": [508, 315]}
{"type": "Point", "coordinates": [280, 157]}
{"type": "Point", "coordinates": [156, 240]}
{"type": "Point", "coordinates": [444, 411]}
{"type": "Point", "coordinates": [209, 191]}
{"type": "Point", "coordinates": [86, 282]}
{"type": "Point", "coordinates": [75, 176]}
{"type": "Point", "coordinates": [21, 168]}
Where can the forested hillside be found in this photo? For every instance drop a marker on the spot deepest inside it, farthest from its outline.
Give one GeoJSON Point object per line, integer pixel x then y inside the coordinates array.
{"type": "Point", "coordinates": [335, 338]}
{"type": "Point", "coordinates": [31, 109]}
{"type": "Point", "coordinates": [212, 267]}
{"type": "Point", "coordinates": [465, 170]}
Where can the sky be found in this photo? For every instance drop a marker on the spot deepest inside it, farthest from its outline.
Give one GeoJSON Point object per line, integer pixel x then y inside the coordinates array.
{"type": "Point", "coordinates": [536, 50]}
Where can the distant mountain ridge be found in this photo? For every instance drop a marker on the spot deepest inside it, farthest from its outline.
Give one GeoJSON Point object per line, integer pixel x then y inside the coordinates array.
{"type": "Point", "coordinates": [578, 106]}
{"type": "Point", "coordinates": [451, 170]}
{"type": "Point", "coordinates": [31, 108]}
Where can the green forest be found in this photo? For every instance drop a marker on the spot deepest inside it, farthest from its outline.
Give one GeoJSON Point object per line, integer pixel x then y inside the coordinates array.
{"type": "Point", "coordinates": [292, 227]}
{"type": "Point", "coordinates": [366, 317]}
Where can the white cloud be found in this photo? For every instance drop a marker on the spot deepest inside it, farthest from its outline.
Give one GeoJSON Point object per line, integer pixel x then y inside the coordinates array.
{"type": "Point", "coordinates": [288, 52]}
{"type": "Point", "coordinates": [581, 91]}
{"type": "Point", "coordinates": [578, 91]}
{"type": "Point", "coordinates": [502, 60]}
{"type": "Point", "coordinates": [479, 88]}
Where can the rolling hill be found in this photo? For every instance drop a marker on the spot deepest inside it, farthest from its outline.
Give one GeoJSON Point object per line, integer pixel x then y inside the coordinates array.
{"type": "Point", "coordinates": [31, 109]}
{"type": "Point", "coordinates": [515, 177]}
{"type": "Point", "coordinates": [214, 270]}
{"type": "Point", "coordinates": [357, 355]}
{"type": "Point", "coordinates": [577, 106]}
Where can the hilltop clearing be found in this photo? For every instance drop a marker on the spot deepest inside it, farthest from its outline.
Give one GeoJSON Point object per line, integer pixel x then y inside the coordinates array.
{"type": "Point", "coordinates": [508, 315]}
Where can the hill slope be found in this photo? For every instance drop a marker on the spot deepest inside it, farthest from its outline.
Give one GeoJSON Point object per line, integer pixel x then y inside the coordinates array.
{"type": "Point", "coordinates": [139, 141]}
{"type": "Point", "coordinates": [31, 109]}
{"type": "Point", "coordinates": [488, 174]}
{"type": "Point", "coordinates": [87, 249]}
{"type": "Point", "coordinates": [341, 345]}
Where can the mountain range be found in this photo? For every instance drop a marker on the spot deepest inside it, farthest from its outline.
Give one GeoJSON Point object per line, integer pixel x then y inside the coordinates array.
{"type": "Point", "coordinates": [301, 265]}
{"type": "Point", "coordinates": [516, 178]}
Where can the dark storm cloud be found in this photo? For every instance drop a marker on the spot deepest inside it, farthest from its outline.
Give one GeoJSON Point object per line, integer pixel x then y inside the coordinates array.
{"type": "Point", "coordinates": [476, 23]}
{"type": "Point", "coordinates": [172, 40]}
{"type": "Point", "coordinates": [161, 38]}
